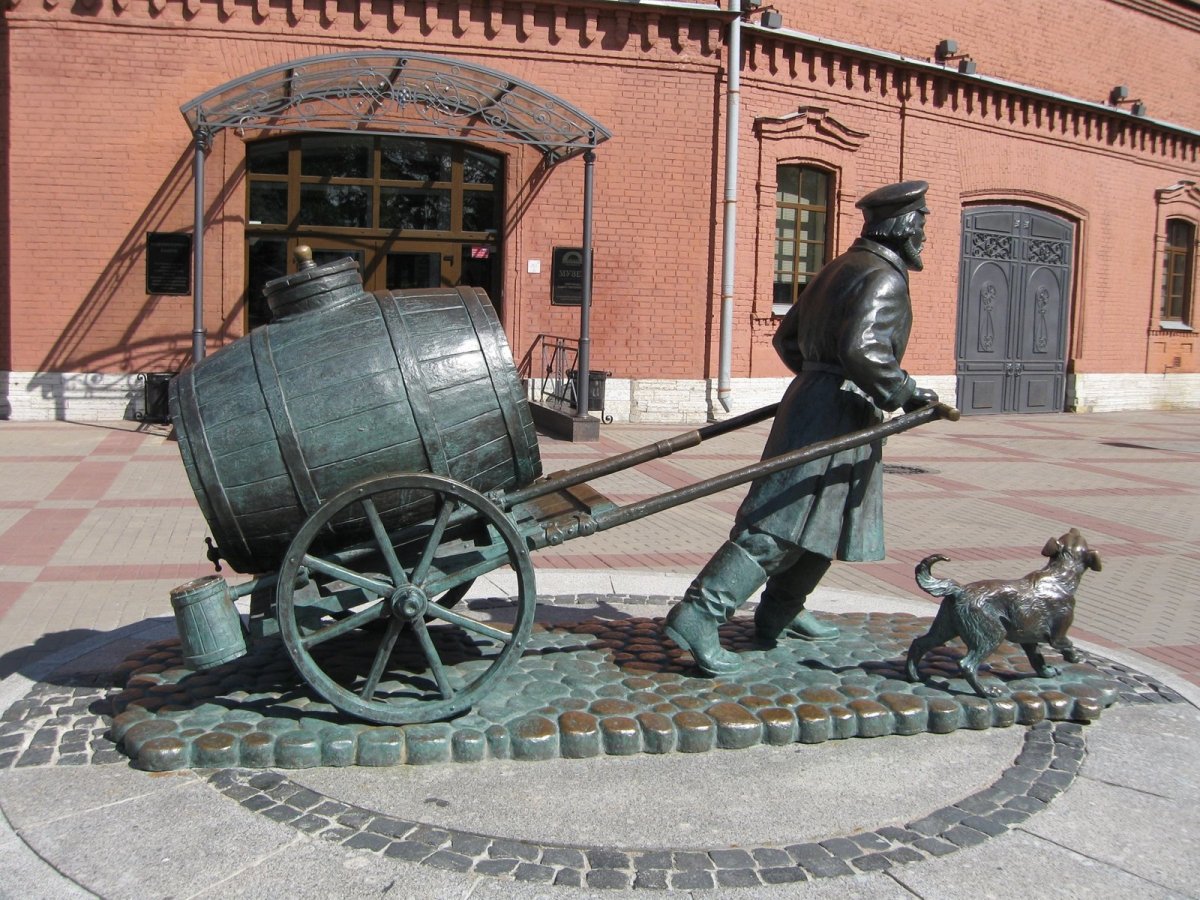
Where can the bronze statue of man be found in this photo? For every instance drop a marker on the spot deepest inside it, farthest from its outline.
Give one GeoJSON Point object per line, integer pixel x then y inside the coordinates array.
{"type": "Point", "coordinates": [844, 338]}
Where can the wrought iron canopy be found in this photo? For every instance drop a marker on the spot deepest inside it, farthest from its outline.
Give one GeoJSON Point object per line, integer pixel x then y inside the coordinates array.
{"type": "Point", "coordinates": [397, 94]}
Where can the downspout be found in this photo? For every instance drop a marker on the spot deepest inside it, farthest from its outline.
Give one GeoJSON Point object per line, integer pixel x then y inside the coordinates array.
{"type": "Point", "coordinates": [733, 96]}
{"type": "Point", "coordinates": [202, 144]}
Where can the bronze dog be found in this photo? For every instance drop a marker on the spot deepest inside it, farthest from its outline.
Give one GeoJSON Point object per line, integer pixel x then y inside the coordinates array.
{"type": "Point", "coordinates": [1038, 608]}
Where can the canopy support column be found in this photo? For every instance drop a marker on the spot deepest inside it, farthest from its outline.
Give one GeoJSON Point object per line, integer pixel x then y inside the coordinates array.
{"type": "Point", "coordinates": [584, 359]}
{"type": "Point", "coordinates": [201, 146]}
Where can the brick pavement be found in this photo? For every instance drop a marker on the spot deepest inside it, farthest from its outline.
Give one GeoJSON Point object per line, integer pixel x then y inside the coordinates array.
{"type": "Point", "coordinates": [97, 521]}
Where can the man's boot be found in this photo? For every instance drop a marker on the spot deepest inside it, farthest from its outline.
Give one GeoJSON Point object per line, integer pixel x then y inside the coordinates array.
{"type": "Point", "coordinates": [781, 611]}
{"type": "Point", "coordinates": [723, 585]}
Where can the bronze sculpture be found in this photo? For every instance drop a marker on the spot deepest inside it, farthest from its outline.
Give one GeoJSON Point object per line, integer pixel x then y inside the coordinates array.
{"type": "Point", "coordinates": [1031, 610]}
{"type": "Point", "coordinates": [844, 338]}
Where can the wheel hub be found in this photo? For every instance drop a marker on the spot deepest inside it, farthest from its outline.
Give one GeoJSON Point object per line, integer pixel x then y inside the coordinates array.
{"type": "Point", "coordinates": [408, 603]}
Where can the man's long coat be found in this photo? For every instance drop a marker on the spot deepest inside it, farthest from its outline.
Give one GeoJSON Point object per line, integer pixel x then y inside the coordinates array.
{"type": "Point", "coordinates": [845, 338]}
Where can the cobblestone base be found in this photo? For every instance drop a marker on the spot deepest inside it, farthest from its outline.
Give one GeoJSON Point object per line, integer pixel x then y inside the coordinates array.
{"type": "Point", "coordinates": [1046, 766]}
{"type": "Point", "coordinates": [584, 689]}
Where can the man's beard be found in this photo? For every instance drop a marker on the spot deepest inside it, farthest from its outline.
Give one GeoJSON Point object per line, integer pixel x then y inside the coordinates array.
{"type": "Point", "coordinates": [910, 252]}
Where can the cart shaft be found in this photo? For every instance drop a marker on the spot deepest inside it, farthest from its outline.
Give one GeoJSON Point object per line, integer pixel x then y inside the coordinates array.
{"type": "Point", "coordinates": [583, 525]}
{"type": "Point", "coordinates": [560, 480]}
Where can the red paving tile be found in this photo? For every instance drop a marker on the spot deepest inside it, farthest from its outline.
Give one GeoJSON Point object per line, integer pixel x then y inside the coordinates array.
{"type": "Point", "coordinates": [37, 536]}
{"type": "Point", "coordinates": [90, 480]}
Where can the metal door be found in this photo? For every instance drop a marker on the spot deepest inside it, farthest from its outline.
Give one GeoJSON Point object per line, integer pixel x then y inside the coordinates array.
{"type": "Point", "coordinates": [1014, 290]}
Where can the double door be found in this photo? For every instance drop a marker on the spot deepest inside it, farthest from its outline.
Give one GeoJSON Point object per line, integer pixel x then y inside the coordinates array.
{"type": "Point", "coordinates": [1014, 290]}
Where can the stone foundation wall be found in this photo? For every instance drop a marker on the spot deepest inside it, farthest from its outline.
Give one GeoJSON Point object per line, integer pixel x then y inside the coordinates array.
{"type": "Point", "coordinates": [83, 396]}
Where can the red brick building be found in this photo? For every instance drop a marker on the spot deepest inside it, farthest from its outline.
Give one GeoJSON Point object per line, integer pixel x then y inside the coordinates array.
{"type": "Point", "coordinates": [1061, 141]}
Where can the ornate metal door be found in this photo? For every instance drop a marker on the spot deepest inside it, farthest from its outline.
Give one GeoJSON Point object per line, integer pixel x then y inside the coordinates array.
{"type": "Point", "coordinates": [1014, 290]}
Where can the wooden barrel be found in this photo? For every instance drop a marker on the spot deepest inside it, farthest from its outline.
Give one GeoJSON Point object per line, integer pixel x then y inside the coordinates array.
{"type": "Point", "coordinates": [346, 386]}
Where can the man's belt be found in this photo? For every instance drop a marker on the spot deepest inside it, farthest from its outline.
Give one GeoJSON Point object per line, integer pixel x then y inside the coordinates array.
{"type": "Point", "coordinates": [810, 366]}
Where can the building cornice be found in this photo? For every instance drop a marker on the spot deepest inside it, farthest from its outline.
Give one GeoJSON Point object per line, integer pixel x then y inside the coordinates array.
{"type": "Point", "coordinates": [925, 67]}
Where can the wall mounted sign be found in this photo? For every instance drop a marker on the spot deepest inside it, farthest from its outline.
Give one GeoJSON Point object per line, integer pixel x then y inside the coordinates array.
{"type": "Point", "coordinates": [168, 263]}
{"type": "Point", "coordinates": [566, 282]}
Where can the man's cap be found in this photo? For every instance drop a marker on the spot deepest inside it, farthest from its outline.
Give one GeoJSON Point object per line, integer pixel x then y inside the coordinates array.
{"type": "Point", "coordinates": [894, 200]}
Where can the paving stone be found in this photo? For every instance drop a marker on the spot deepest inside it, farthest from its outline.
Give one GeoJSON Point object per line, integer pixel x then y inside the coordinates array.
{"type": "Point", "coordinates": [364, 840]}
{"type": "Point", "coordinates": [872, 862]}
{"type": "Point", "coordinates": [496, 866]}
{"type": "Point", "coordinates": [449, 860]}
{"type": "Point", "coordinates": [413, 851]}
{"type": "Point", "coordinates": [687, 861]}
{"type": "Point", "coordinates": [782, 875]}
{"type": "Point", "coordinates": [985, 824]}
{"type": "Point", "coordinates": [534, 873]}
{"type": "Point", "coordinates": [897, 835]}
{"type": "Point", "coordinates": [469, 844]}
{"type": "Point", "coordinates": [1008, 817]}
{"type": "Point", "coordinates": [607, 859]}
{"type": "Point", "coordinates": [505, 849]}
{"type": "Point", "coordinates": [567, 857]}
{"type": "Point", "coordinates": [870, 841]}
{"type": "Point", "coordinates": [568, 878]}
{"type": "Point", "coordinates": [738, 878]}
{"type": "Point", "coordinates": [1026, 804]}
{"type": "Point", "coordinates": [732, 859]}
{"type": "Point", "coordinates": [961, 836]}
{"type": "Point", "coordinates": [425, 834]}
{"type": "Point", "coordinates": [389, 827]}
{"type": "Point", "coordinates": [843, 848]}
{"type": "Point", "coordinates": [650, 879]}
{"type": "Point", "coordinates": [903, 855]}
{"type": "Point", "coordinates": [829, 868]}
{"type": "Point", "coordinates": [692, 879]}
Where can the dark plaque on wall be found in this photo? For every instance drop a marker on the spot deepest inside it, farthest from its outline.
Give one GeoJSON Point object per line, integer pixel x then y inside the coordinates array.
{"type": "Point", "coordinates": [168, 263]}
{"type": "Point", "coordinates": [566, 277]}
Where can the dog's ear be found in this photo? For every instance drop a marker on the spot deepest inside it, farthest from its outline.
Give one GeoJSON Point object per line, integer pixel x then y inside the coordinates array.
{"type": "Point", "coordinates": [1092, 560]}
{"type": "Point", "coordinates": [1052, 548]}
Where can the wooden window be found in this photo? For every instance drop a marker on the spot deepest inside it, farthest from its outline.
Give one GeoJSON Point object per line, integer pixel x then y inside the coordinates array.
{"type": "Point", "coordinates": [802, 220]}
{"type": "Point", "coordinates": [1179, 268]}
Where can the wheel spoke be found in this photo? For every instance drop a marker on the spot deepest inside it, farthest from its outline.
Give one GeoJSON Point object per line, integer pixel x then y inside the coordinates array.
{"type": "Point", "coordinates": [431, 654]}
{"type": "Point", "coordinates": [341, 573]}
{"type": "Point", "coordinates": [435, 538]}
{"type": "Point", "coordinates": [469, 624]}
{"type": "Point", "coordinates": [384, 540]}
{"type": "Point", "coordinates": [342, 626]}
{"type": "Point", "coordinates": [381, 659]}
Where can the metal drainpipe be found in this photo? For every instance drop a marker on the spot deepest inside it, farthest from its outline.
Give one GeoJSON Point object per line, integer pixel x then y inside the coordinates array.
{"type": "Point", "coordinates": [733, 66]}
{"type": "Point", "coordinates": [203, 143]}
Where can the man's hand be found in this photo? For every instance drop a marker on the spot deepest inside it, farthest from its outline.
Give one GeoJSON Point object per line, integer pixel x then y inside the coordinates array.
{"type": "Point", "coordinates": [922, 397]}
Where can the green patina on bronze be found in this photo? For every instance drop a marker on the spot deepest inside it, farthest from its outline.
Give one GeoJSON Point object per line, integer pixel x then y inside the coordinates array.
{"type": "Point", "coordinates": [593, 688]}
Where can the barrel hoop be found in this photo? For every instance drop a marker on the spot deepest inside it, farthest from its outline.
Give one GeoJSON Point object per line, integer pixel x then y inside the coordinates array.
{"type": "Point", "coordinates": [498, 365]}
{"type": "Point", "coordinates": [196, 440]}
{"type": "Point", "coordinates": [281, 420]}
{"type": "Point", "coordinates": [414, 384]}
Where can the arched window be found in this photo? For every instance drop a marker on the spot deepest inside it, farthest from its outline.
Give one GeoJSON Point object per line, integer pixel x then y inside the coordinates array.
{"type": "Point", "coordinates": [414, 212]}
{"type": "Point", "coordinates": [1179, 269]}
{"type": "Point", "coordinates": [802, 220]}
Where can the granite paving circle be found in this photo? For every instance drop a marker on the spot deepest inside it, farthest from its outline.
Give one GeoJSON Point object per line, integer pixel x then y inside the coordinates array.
{"type": "Point", "coordinates": [150, 708]}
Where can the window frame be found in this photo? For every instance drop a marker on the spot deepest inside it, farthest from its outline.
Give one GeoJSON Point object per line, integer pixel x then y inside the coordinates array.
{"type": "Point", "coordinates": [1178, 262]}
{"type": "Point", "coordinates": [795, 237]}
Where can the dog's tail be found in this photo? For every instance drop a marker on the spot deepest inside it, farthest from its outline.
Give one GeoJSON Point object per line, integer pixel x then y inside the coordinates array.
{"type": "Point", "coordinates": [939, 587]}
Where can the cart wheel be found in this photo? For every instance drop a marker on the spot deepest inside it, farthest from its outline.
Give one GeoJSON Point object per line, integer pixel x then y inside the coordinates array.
{"type": "Point", "coordinates": [428, 662]}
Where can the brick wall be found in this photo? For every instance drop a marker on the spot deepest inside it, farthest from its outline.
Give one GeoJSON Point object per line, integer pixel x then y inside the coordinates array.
{"type": "Point", "coordinates": [98, 155]}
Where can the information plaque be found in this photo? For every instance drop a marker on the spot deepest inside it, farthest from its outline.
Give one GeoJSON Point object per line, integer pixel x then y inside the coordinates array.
{"type": "Point", "coordinates": [168, 263]}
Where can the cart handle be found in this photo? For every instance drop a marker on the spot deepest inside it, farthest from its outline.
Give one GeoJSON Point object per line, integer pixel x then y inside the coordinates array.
{"type": "Point", "coordinates": [571, 477]}
{"type": "Point", "coordinates": [624, 514]}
